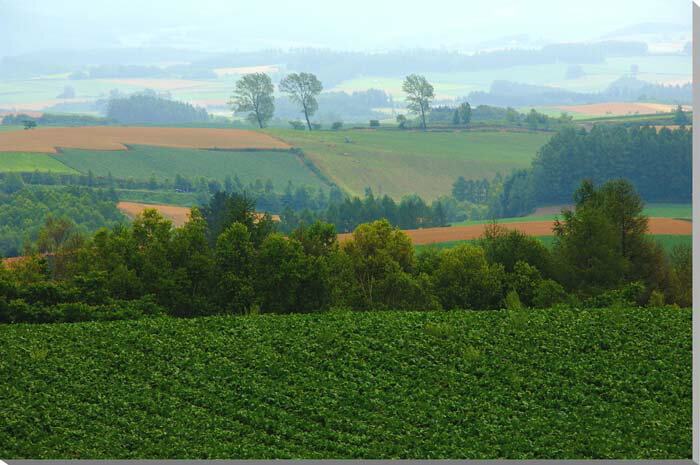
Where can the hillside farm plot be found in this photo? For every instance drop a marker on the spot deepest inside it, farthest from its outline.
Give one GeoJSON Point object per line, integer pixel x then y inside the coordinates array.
{"type": "Point", "coordinates": [398, 162]}
{"type": "Point", "coordinates": [657, 226]}
{"type": "Point", "coordinates": [666, 241]}
{"type": "Point", "coordinates": [670, 210]}
{"type": "Point", "coordinates": [558, 383]}
{"type": "Point", "coordinates": [682, 211]}
{"type": "Point", "coordinates": [164, 162]}
{"type": "Point", "coordinates": [31, 161]}
{"type": "Point", "coordinates": [47, 140]}
{"type": "Point", "coordinates": [178, 215]}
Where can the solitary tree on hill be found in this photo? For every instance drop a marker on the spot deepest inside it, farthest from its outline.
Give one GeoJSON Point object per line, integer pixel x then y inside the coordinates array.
{"type": "Point", "coordinates": [465, 113]}
{"type": "Point", "coordinates": [419, 95]}
{"type": "Point", "coordinates": [680, 117]}
{"type": "Point", "coordinates": [254, 94]}
{"type": "Point", "coordinates": [303, 88]}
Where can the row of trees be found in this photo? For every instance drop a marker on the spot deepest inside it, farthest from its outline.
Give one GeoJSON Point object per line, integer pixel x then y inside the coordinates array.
{"type": "Point", "coordinates": [147, 108]}
{"type": "Point", "coordinates": [411, 212]}
{"type": "Point", "coordinates": [226, 260]}
{"type": "Point", "coordinates": [254, 95]}
{"type": "Point", "coordinates": [56, 119]}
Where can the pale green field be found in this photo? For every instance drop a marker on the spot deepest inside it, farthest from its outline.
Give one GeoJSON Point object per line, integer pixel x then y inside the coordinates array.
{"type": "Point", "coordinates": [682, 211]}
{"type": "Point", "coordinates": [667, 242]}
{"type": "Point", "coordinates": [405, 162]}
{"type": "Point", "coordinates": [31, 161]}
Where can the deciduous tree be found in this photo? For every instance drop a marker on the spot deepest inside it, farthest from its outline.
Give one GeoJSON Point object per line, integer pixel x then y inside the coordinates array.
{"type": "Point", "coordinates": [419, 93]}
{"type": "Point", "coordinates": [302, 89]}
{"type": "Point", "coordinates": [253, 94]}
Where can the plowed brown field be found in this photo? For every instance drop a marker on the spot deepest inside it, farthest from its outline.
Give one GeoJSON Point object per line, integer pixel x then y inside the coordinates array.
{"type": "Point", "coordinates": [178, 215]}
{"type": "Point", "coordinates": [46, 140]}
{"type": "Point", "coordinates": [533, 228]}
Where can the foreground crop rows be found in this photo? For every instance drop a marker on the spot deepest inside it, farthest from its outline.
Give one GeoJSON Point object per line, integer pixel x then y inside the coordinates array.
{"type": "Point", "coordinates": [559, 383]}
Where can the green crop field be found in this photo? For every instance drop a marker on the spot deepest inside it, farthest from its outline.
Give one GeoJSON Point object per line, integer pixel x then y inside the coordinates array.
{"type": "Point", "coordinates": [541, 384]}
{"type": "Point", "coordinates": [404, 162]}
{"type": "Point", "coordinates": [10, 127]}
{"type": "Point", "coordinates": [667, 242]}
{"type": "Point", "coordinates": [682, 211]}
{"type": "Point", "coordinates": [30, 161]}
{"type": "Point", "coordinates": [670, 210]}
{"type": "Point", "coordinates": [166, 162]}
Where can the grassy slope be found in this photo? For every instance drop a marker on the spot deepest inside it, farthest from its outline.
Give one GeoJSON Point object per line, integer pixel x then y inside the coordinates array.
{"type": "Point", "coordinates": [29, 161]}
{"type": "Point", "coordinates": [403, 162]}
{"type": "Point", "coordinates": [667, 241]}
{"type": "Point", "coordinates": [559, 383]}
{"type": "Point", "coordinates": [139, 163]}
{"type": "Point", "coordinates": [660, 210]}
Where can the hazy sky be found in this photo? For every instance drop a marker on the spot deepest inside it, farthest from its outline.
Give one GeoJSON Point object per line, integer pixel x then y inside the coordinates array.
{"type": "Point", "coordinates": [219, 25]}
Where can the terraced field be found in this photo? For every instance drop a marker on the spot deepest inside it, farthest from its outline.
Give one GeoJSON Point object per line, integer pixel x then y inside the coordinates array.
{"type": "Point", "coordinates": [546, 384]}
{"type": "Point", "coordinates": [403, 162]}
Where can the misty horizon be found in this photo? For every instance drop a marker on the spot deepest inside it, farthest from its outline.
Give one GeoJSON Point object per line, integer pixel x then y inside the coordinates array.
{"type": "Point", "coordinates": [215, 26]}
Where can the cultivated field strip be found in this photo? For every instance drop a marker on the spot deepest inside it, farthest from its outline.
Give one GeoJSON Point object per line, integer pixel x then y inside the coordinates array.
{"type": "Point", "coordinates": [666, 226]}
{"type": "Point", "coordinates": [49, 140]}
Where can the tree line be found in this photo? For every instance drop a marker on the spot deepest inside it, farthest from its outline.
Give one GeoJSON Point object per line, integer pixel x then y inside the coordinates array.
{"type": "Point", "coordinates": [228, 260]}
{"type": "Point", "coordinates": [145, 108]}
{"type": "Point", "coordinates": [411, 212]}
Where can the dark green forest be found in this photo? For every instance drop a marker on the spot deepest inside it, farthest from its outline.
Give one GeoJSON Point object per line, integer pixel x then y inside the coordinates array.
{"type": "Point", "coordinates": [146, 108]}
{"type": "Point", "coordinates": [24, 212]}
{"type": "Point", "coordinates": [657, 163]}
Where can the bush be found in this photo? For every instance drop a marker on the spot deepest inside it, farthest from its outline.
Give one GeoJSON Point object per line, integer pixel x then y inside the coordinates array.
{"type": "Point", "coordinates": [548, 293]}
{"type": "Point", "coordinates": [629, 295]}
{"type": "Point", "coordinates": [19, 311]}
{"type": "Point", "coordinates": [512, 301]}
{"type": "Point", "coordinates": [337, 125]}
{"type": "Point", "coordinates": [373, 123]}
{"type": "Point", "coordinates": [508, 247]}
{"type": "Point", "coordinates": [524, 281]}
{"type": "Point", "coordinates": [298, 125]}
{"type": "Point", "coordinates": [682, 275]}
{"type": "Point", "coordinates": [465, 280]}
{"type": "Point", "coordinates": [656, 299]}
